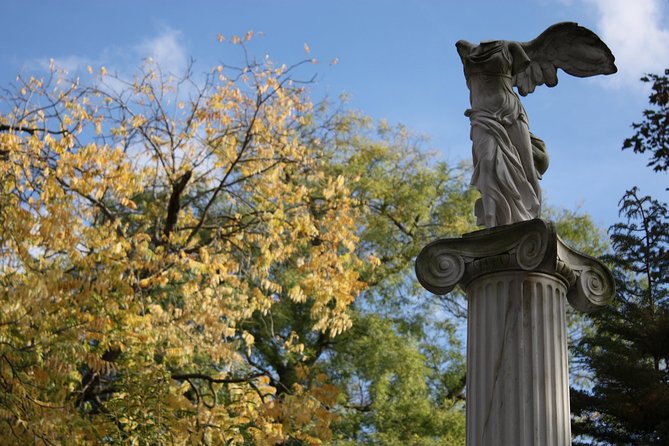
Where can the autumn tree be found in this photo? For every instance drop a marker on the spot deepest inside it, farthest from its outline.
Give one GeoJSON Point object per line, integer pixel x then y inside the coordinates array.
{"type": "Point", "coordinates": [180, 255]}
{"type": "Point", "coordinates": [144, 223]}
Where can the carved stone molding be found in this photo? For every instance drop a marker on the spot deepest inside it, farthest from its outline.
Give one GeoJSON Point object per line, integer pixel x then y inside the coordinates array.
{"type": "Point", "coordinates": [532, 245]}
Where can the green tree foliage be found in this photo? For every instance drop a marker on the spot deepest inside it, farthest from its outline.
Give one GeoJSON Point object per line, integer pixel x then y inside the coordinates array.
{"type": "Point", "coordinates": [397, 391]}
{"type": "Point", "coordinates": [627, 350]}
{"type": "Point", "coordinates": [400, 360]}
{"type": "Point", "coordinates": [400, 369]}
{"type": "Point", "coordinates": [579, 231]}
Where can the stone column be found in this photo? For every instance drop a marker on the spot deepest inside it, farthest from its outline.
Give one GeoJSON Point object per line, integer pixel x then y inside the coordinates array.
{"type": "Point", "coordinates": [517, 279]}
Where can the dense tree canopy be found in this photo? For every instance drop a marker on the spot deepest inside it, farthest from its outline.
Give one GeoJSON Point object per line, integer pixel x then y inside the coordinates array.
{"type": "Point", "coordinates": [141, 226]}
{"type": "Point", "coordinates": [180, 257]}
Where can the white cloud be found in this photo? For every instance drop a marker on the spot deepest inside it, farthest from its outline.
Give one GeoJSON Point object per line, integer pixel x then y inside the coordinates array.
{"type": "Point", "coordinates": [166, 50]}
{"type": "Point", "coordinates": [637, 33]}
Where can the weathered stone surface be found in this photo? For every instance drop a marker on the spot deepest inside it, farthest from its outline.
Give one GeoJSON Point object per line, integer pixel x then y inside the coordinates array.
{"type": "Point", "coordinates": [526, 246]}
{"type": "Point", "coordinates": [517, 375]}
{"type": "Point", "coordinates": [508, 159]}
{"type": "Point", "coordinates": [517, 278]}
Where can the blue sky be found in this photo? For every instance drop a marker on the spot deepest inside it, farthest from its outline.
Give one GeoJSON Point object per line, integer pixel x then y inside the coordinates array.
{"type": "Point", "coordinates": [396, 60]}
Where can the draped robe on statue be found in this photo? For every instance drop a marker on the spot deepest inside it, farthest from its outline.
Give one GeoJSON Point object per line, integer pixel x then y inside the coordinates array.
{"type": "Point", "coordinates": [502, 150]}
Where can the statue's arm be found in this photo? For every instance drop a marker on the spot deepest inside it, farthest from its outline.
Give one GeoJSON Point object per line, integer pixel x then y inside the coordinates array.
{"type": "Point", "coordinates": [520, 58]}
{"type": "Point", "coordinates": [464, 48]}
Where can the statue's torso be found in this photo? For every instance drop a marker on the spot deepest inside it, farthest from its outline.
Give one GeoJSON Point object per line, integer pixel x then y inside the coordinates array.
{"type": "Point", "coordinates": [488, 71]}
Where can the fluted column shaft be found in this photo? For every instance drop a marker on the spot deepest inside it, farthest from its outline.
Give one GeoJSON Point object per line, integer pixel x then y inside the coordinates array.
{"type": "Point", "coordinates": [517, 375]}
{"type": "Point", "coordinates": [517, 279]}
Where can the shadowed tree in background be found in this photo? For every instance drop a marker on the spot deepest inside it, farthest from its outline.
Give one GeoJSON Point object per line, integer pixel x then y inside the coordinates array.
{"type": "Point", "coordinates": [652, 134]}
{"type": "Point", "coordinates": [627, 349]}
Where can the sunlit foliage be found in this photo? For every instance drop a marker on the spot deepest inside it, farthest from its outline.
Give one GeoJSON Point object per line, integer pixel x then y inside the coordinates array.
{"type": "Point", "coordinates": [143, 222]}
{"type": "Point", "coordinates": [179, 256]}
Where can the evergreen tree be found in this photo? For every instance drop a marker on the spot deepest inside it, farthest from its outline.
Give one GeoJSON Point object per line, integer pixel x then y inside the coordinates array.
{"type": "Point", "coordinates": [651, 134]}
{"type": "Point", "coordinates": [627, 350]}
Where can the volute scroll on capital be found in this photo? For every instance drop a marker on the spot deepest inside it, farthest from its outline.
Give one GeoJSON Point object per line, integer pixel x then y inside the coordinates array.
{"type": "Point", "coordinates": [532, 246]}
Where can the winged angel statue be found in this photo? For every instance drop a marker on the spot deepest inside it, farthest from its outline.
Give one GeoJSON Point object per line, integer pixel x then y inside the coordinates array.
{"type": "Point", "coordinates": [508, 159]}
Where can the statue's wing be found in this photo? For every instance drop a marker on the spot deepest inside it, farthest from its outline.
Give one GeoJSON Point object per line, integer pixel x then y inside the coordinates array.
{"type": "Point", "coordinates": [575, 49]}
